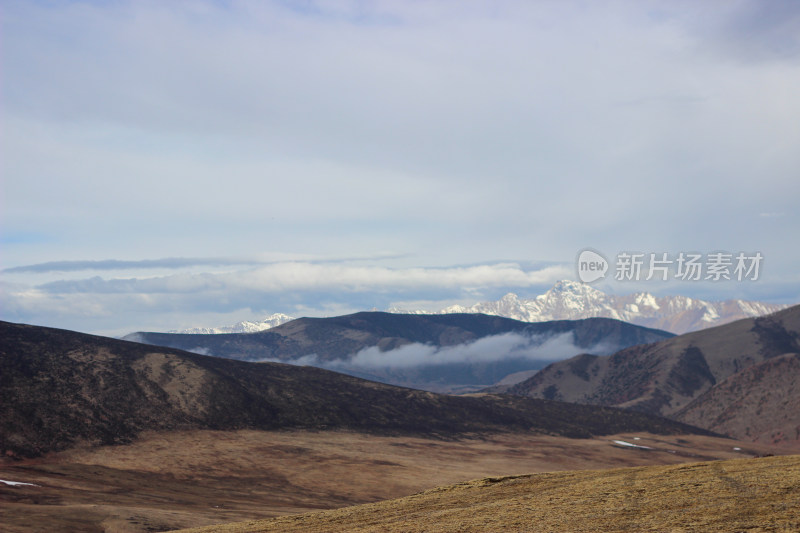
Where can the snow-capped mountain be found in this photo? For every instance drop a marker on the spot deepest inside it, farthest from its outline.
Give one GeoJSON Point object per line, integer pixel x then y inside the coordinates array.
{"type": "Point", "coordinates": [243, 327]}
{"type": "Point", "coordinates": [570, 300]}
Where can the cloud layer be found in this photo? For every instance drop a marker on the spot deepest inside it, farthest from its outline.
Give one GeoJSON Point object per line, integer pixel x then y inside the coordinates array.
{"type": "Point", "coordinates": [415, 135]}
{"type": "Point", "coordinates": [438, 368]}
{"type": "Point", "coordinates": [483, 361]}
{"type": "Point", "coordinates": [485, 350]}
{"type": "Point", "coordinates": [300, 288]}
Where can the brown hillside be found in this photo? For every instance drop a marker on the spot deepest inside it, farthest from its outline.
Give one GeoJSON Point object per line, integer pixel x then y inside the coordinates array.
{"type": "Point", "coordinates": [180, 479]}
{"type": "Point", "coordinates": [332, 343]}
{"type": "Point", "coordinates": [59, 388]}
{"type": "Point", "coordinates": [335, 338]}
{"type": "Point", "coordinates": [738, 495]}
{"type": "Point", "coordinates": [761, 403]}
{"type": "Point", "coordinates": [666, 376]}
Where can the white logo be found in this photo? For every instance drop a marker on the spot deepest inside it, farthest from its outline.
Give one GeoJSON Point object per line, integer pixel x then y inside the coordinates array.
{"type": "Point", "coordinates": [591, 266]}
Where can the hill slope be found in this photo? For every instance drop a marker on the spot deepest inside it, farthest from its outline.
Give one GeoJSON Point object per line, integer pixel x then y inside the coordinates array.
{"type": "Point", "coordinates": [509, 346]}
{"type": "Point", "coordinates": [339, 337]}
{"type": "Point", "coordinates": [737, 495]}
{"type": "Point", "coordinates": [665, 377]}
{"type": "Point", "coordinates": [167, 481]}
{"type": "Point", "coordinates": [761, 403]}
{"type": "Point", "coordinates": [59, 388]}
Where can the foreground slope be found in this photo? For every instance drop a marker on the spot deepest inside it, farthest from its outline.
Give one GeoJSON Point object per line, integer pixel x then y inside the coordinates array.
{"type": "Point", "coordinates": [737, 495]}
{"type": "Point", "coordinates": [59, 388]}
{"type": "Point", "coordinates": [665, 377]}
{"type": "Point", "coordinates": [180, 479]}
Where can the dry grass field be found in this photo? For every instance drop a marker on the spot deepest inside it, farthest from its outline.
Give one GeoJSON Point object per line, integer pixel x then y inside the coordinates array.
{"type": "Point", "coordinates": [187, 479]}
{"type": "Point", "coordinates": [736, 495]}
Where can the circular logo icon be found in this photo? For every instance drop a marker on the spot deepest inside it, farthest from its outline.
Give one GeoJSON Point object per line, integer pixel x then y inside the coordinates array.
{"type": "Point", "coordinates": [591, 266]}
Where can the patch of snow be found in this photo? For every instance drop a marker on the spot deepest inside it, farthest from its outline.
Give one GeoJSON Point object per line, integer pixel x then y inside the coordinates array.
{"type": "Point", "coordinates": [737, 449]}
{"type": "Point", "coordinates": [17, 483]}
{"type": "Point", "coordinates": [623, 443]}
{"type": "Point", "coordinates": [646, 299]}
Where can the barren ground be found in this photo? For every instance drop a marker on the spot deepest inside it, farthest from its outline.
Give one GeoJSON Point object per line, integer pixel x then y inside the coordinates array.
{"type": "Point", "coordinates": [754, 495]}
{"type": "Point", "coordinates": [195, 478]}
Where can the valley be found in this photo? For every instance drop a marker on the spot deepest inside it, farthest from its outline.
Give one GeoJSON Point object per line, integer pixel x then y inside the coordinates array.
{"type": "Point", "coordinates": [183, 479]}
{"type": "Point", "coordinates": [99, 434]}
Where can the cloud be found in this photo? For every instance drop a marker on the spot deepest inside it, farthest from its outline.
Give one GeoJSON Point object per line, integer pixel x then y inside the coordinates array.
{"type": "Point", "coordinates": [283, 277]}
{"type": "Point", "coordinates": [190, 299]}
{"type": "Point", "coordinates": [115, 264]}
{"type": "Point", "coordinates": [448, 132]}
{"type": "Point", "coordinates": [135, 337]}
{"type": "Point", "coordinates": [183, 262]}
{"type": "Point", "coordinates": [759, 32]}
{"type": "Point", "coordinates": [483, 350]}
{"type": "Point", "coordinates": [495, 348]}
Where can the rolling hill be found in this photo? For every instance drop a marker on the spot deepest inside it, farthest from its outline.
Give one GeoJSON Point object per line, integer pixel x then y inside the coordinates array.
{"type": "Point", "coordinates": [666, 377]}
{"type": "Point", "coordinates": [760, 403]}
{"type": "Point", "coordinates": [449, 352]}
{"type": "Point", "coordinates": [171, 480]}
{"type": "Point", "coordinates": [737, 495]}
{"type": "Point", "coordinates": [59, 388]}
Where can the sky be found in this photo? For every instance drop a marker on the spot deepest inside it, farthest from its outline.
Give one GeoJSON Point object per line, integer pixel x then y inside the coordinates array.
{"type": "Point", "coordinates": [177, 164]}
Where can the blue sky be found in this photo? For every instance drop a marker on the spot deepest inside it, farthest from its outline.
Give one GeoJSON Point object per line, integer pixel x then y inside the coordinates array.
{"type": "Point", "coordinates": [178, 164]}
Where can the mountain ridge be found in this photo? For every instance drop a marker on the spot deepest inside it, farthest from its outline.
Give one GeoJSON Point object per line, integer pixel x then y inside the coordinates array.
{"type": "Point", "coordinates": [245, 326]}
{"type": "Point", "coordinates": [669, 376]}
{"type": "Point", "coordinates": [570, 300]}
{"type": "Point", "coordinates": [60, 388]}
{"type": "Point", "coordinates": [450, 351]}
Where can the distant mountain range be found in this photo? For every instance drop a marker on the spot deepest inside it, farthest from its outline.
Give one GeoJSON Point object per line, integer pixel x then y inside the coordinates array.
{"type": "Point", "coordinates": [570, 300]}
{"type": "Point", "coordinates": [61, 388]}
{"type": "Point", "coordinates": [242, 327]}
{"type": "Point", "coordinates": [742, 378]}
{"type": "Point", "coordinates": [440, 353]}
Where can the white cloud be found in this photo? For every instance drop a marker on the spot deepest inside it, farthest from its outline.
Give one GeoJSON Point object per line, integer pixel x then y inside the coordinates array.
{"type": "Point", "coordinates": [483, 350]}
{"type": "Point", "coordinates": [448, 132]}
{"type": "Point", "coordinates": [170, 301]}
{"type": "Point", "coordinates": [297, 276]}
{"type": "Point", "coordinates": [491, 349]}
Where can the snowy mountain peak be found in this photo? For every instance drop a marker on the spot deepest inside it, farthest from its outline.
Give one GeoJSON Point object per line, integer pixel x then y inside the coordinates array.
{"type": "Point", "coordinates": [571, 300]}
{"type": "Point", "coordinates": [645, 299]}
{"type": "Point", "coordinates": [271, 321]}
{"type": "Point", "coordinates": [566, 285]}
{"type": "Point", "coordinates": [574, 290]}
